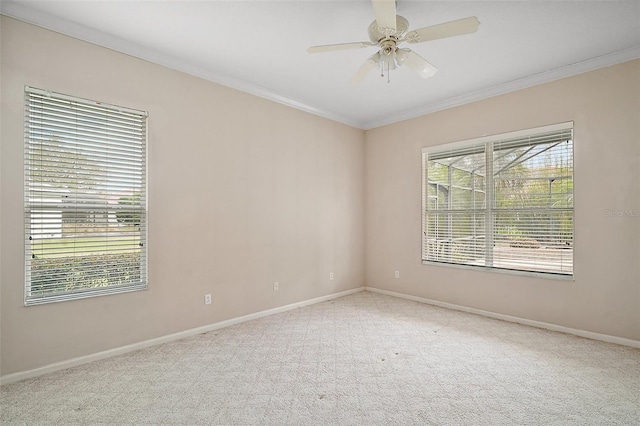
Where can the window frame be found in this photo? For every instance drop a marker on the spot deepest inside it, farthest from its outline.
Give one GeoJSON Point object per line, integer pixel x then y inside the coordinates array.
{"type": "Point", "coordinates": [105, 211]}
{"type": "Point", "coordinates": [483, 144]}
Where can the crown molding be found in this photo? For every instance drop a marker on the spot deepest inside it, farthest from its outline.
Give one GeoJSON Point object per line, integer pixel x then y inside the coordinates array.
{"type": "Point", "coordinates": [512, 86]}
{"type": "Point", "coordinates": [24, 13]}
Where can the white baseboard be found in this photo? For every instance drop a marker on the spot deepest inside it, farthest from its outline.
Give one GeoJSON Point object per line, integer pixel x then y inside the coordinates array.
{"type": "Point", "coordinates": [50, 368]}
{"type": "Point", "coordinates": [524, 321]}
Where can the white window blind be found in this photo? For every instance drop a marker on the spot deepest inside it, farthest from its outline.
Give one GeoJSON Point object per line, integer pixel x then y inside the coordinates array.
{"type": "Point", "coordinates": [504, 202]}
{"type": "Point", "coordinates": [85, 198]}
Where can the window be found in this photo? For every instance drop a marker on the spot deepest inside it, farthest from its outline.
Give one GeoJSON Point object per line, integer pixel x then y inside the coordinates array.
{"type": "Point", "coordinates": [502, 202]}
{"type": "Point", "coordinates": [85, 198]}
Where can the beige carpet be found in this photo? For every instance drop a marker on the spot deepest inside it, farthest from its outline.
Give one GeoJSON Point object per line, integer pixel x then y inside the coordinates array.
{"type": "Point", "coordinates": [364, 359]}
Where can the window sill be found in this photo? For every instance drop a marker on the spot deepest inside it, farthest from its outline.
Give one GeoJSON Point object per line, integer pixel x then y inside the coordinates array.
{"type": "Point", "coordinates": [543, 275]}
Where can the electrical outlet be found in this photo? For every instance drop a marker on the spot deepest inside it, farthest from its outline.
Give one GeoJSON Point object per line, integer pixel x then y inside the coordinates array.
{"type": "Point", "coordinates": [330, 275]}
{"type": "Point", "coordinates": [207, 299]}
{"type": "Point", "coordinates": [276, 285]}
{"type": "Point", "coordinates": [397, 274]}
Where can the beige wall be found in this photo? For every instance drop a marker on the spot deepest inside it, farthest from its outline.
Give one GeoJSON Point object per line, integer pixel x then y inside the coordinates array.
{"type": "Point", "coordinates": [605, 296]}
{"type": "Point", "coordinates": [242, 192]}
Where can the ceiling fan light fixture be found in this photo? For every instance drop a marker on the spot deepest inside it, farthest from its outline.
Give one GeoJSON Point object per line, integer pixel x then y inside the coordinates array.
{"type": "Point", "coordinates": [417, 63]}
{"type": "Point", "coordinates": [388, 58]}
{"type": "Point", "coordinates": [401, 56]}
{"type": "Point", "coordinates": [369, 64]}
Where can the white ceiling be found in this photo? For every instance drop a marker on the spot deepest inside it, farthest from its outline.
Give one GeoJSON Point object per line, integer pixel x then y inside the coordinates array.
{"type": "Point", "coordinates": [260, 47]}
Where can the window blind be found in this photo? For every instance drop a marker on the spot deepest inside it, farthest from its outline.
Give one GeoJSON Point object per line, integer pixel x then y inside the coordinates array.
{"type": "Point", "coordinates": [85, 198]}
{"type": "Point", "coordinates": [505, 202]}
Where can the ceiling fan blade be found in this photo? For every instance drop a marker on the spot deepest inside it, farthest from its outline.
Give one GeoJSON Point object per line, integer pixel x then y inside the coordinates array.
{"type": "Point", "coordinates": [448, 29]}
{"type": "Point", "coordinates": [341, 46]}
{"type": "Point", "coordinates": [416, 62]}
{"type": "Point", "coordinates": [385, 13]}
{"type": "Point", "coordinates": [365, 68]}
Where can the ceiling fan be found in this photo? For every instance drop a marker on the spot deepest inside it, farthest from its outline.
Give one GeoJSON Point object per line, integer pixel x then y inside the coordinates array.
{"type": "Point", "coordinates": [388, 31]}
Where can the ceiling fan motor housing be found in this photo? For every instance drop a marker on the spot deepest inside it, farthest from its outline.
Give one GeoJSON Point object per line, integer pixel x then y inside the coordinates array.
{"type": "Point", "coordinates": [377, 34]}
